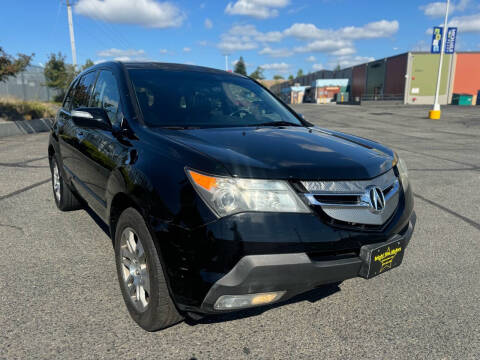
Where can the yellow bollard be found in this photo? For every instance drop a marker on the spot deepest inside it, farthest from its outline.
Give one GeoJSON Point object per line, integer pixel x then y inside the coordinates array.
{"type": "Point", "coordinates": [434, 114]}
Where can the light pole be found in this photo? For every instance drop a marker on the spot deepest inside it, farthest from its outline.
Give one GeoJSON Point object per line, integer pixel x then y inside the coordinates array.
{"type": "Point", "coordinates": [435, 112]}
{"type": "Point", "coordinates": [72, 36]}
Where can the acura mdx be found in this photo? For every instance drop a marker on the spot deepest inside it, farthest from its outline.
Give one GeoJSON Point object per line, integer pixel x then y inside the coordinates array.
{"type": "Point", "coordinates": [217, 195]}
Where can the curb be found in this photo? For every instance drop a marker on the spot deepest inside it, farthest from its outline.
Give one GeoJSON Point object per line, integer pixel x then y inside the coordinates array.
{"type": "Point", "coordinates": [12, 128]}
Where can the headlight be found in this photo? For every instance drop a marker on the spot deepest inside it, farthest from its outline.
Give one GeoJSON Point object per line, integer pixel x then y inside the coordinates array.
{"type": "Point", "coordinates": [227, 195]}
{"type": "Point", "coordinates": [403, 172]}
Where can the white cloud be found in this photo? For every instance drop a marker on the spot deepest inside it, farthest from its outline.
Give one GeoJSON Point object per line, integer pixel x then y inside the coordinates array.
{"type": "Point", "coordinates": [377, 29]}
{"type": "Point", "coordinates": [468, 23]}
{"type": "Point", "coordinates": [317, 67]}
{"type": "Point", "coordinates": [311, 58]}
{"type": "Point", "coordinates": [278, 67]}
{"type": "Point", "coordinates": [344, 51]}
{"type": "Point", "coordinates": [348, 61]}
{"type": "Point", "coordinates": [326, 45]}
{"type": "Point", "coordinates": [123, 58]}
{"type": "Point", "coordinates": [163, 51]}
{"type": "Point", "coordinates": [305, 31]}
{"type": "Point", "coordinates": [148, 13]}
{"type": "Point", "coordinates": [208, 23]}
{"type": "Point", "coordinates": [186, 49]}
{"type": "Point", "coordinates": [113, 52]}
{"type": "Point", "coordinates": [260, 9]}
{"type": "Point", "coordinates": [283, 52]}
{"type": "Point", "coordinates": [438, 8]}
{"type": "Point", "coordinates": [203, 43]}
{"type": "Point", "coordinates": [246, 37]}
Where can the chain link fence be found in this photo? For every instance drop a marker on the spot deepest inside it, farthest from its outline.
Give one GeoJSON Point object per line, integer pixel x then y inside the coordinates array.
{"type": "Point", "coordinates": [27, 85]}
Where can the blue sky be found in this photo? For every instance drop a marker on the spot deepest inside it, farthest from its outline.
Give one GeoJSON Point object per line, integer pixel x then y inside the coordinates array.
{"type": "Point", "coordinates": [279, 35]}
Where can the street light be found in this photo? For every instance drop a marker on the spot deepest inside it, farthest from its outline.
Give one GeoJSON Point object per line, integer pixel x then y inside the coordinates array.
{"type": "Point", "coordinates": [435, 112]}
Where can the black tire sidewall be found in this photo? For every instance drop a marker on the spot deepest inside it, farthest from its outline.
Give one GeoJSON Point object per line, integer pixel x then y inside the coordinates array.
{"type": "Point", "coordinates": [53, 161]}
{"type": "Point", "coordinates": [158, 296]}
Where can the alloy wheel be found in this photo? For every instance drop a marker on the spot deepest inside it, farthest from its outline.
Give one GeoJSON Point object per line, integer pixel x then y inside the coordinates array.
{"type": "Point", "coordinates": [135, 269]}
{"type": "Point", "coordinates": [56, 181]}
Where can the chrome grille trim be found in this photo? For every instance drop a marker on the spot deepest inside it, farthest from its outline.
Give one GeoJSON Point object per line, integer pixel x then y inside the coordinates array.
{"type": "Point", "coordinates": [355, 186]}
{"type": "Point", "coordinates": [359, 212]}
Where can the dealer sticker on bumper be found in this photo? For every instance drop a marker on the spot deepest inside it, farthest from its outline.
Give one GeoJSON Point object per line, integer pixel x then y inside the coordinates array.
{"type": "Point", "coordinates": [379, 258]}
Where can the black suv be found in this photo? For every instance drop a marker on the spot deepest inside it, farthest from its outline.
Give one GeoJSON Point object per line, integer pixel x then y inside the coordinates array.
{"type": "Point", "coordinates": [217, 195]}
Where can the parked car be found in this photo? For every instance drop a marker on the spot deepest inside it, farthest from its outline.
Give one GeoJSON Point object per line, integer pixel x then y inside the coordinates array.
{"type": "Point", "coordinates": [218, 196]}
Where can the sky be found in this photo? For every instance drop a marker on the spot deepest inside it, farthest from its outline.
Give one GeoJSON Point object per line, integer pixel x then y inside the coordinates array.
{"type": "Point", "coordinates": [281, 36]}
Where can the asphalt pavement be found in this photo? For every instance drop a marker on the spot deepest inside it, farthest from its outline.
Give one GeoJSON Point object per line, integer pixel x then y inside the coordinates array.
{"type": "Point", "coordinates": [59, 296]}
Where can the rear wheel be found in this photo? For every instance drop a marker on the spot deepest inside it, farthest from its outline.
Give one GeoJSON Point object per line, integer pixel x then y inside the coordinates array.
{"type": "Point", "coordinates": [140, 274]}
{"type": "Point", "coordinates": [65, 199]}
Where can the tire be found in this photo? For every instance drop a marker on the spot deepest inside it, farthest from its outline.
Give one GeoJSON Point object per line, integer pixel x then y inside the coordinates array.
{"type": "Point", "coordinates": [141, 277]}
{"type": "Point", "coordinates": [65, 199]}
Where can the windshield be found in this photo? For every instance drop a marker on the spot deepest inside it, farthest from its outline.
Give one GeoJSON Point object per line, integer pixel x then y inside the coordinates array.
{"type": "Point", "coordinates": [201, 99]}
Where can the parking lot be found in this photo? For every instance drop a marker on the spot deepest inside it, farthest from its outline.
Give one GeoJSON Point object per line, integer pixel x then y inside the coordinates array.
{"type": "Point", "coordinates": [60, 298]}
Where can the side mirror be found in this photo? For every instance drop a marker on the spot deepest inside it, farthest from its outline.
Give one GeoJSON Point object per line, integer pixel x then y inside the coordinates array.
{"type": "Point", "coordinates": [91, 117]}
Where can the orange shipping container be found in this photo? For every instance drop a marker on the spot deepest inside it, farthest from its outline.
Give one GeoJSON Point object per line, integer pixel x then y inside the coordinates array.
{"type": "Point", "coordinates": [467, 74]}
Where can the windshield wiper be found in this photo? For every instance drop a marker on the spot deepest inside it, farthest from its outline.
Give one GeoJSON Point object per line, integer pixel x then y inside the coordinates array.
{"type": "Point", "coordinates": [277, 123]}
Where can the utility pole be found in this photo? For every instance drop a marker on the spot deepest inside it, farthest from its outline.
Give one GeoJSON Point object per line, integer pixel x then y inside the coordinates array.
{"type": "Point", "coordinates": [72, 35]}
{"type": "Point", "coordinates": [435, 112]}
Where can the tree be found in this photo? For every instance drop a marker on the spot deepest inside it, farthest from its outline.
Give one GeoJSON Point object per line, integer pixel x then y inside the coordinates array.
{"type": "Point", "coordinates": [10, 66]}
{"type": "Point", "coordinates": [278, 77]}
{"type": "Point", "coordinates": [299, 73]}
{"type": "Point", "coordinates": [337, 68]}
{"type": "Point", "coordinates": [88, 63]}
{"type": "Point", "coordinates": [58, 74]}
{"type": "Point", "coordinates": [257, 74]}
{"type": "Point", "coordinates": [240, 67]}
{"type": "Point", "coordinates": [290, 77]}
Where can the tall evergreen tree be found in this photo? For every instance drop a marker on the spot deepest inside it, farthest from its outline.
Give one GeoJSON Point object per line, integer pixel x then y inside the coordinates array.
{"type": "Point", "coordinates": [240, 67]}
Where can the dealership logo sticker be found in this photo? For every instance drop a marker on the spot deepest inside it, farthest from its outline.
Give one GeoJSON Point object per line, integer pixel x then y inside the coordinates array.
{"type": "Point", "coordinates": [387, 257]}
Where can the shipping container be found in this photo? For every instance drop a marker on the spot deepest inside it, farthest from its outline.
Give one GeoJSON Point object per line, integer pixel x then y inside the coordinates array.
{"type": "Point", "coordinates": [358, 80]}
{"type": "Point", "coordinates": [467, 75]}
{"type": "Point", "coordinates": [423, 78]}
{"type": "Point", "coordinates": [396, 69]}
{"type": "Point", "coordinates": [375, 83]}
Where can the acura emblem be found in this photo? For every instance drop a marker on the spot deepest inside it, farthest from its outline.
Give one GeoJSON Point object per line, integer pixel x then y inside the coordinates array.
{"type": "Point", "coordinates": [376, 200]}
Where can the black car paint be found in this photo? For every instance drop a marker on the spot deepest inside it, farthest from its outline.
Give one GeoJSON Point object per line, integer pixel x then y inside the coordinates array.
{"type": "Point", "coordinates": [147, 167]}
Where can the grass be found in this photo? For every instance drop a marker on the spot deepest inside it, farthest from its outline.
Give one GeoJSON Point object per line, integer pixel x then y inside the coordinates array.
{"type": "Point", "coordinates": [13, 109]}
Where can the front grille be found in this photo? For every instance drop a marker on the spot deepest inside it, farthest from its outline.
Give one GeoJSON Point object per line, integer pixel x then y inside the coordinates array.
{"type": "Point", "coordinates": [349, 203]}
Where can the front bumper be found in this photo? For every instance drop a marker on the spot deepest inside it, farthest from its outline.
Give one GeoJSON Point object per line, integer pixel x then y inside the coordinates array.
{"type": "Point", "coordinates": [293, 273]}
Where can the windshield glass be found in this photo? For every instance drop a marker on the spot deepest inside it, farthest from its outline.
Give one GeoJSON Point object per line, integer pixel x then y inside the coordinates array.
{"type": "Point", "coordinates": [171, 98]}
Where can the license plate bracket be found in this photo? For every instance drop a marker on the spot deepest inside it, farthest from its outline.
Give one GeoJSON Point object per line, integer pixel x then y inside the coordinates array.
{"type": "Point", "coordinates": [379, 258]}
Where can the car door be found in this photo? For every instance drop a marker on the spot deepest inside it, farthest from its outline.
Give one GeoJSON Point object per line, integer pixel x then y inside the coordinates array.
{"type": "Point", "coordinates": [102, 148]}
{"type": "Point", "coordinates": [74, 136]}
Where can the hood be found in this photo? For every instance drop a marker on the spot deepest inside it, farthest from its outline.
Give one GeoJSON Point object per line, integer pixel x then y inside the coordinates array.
{"type": "Point", "coordinates": [288, 152]}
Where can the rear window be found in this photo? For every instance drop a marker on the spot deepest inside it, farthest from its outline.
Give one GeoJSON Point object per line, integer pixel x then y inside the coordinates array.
{"type": "Point", "coordinates": [200, 99]}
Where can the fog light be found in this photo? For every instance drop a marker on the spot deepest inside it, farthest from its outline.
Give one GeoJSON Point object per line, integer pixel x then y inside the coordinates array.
{"type": "Point", "coordinates": [226, 302]}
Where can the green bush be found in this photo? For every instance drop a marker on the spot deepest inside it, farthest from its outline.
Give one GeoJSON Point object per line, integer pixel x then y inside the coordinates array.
{"type": "Point", "coordinates": [12, 109]}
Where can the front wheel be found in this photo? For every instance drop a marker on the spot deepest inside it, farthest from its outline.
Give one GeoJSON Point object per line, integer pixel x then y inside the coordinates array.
{"type": "Point", "coordinates": [140, 273]}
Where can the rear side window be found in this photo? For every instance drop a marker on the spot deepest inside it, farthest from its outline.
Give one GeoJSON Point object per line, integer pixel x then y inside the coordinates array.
{"type": "Point", "coordinates": [83, 90]}
{"type": "Point", "coordinates": [107, 96]}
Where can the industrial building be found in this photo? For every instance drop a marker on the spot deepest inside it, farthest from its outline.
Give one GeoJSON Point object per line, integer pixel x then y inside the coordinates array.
{"type": "Point", "coordinates": [409, 77]}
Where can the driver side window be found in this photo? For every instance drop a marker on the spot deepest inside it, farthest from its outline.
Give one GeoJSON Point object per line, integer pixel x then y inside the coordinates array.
{"type": "Point", "coordinates": [107, 96]}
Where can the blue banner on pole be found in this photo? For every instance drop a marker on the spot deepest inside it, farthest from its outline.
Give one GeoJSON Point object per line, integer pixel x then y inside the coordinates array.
{"type": "Point", "coordinates": [451, 39]}
{"type": "Point", "coordinates": [436, 40]}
